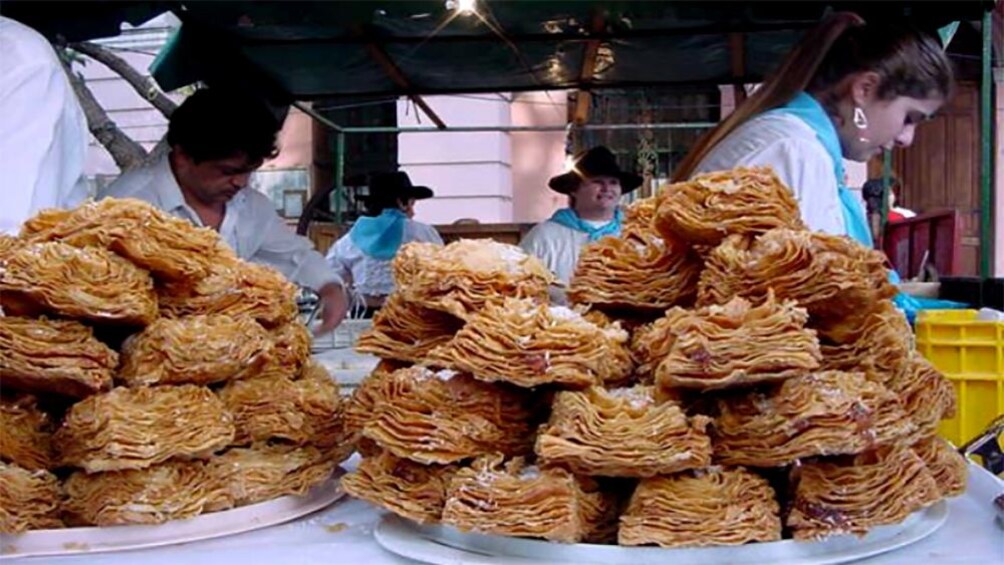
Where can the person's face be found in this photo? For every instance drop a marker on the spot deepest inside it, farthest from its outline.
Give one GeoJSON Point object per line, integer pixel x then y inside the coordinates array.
{"type": "Point", "coordinates": [214, 181]}
{"type": "Point", "coordinates": [890, 123]}
{"type": "Point", "coordinates": [598, 194]}
{"type": "Point", "coordinates": [407, 206]}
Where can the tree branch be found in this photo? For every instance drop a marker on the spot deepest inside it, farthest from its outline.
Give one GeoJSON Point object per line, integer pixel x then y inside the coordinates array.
{"type": "Point", "coordinates": [127, 153]}
{"type": "Point", "coordinates": [143, 85]}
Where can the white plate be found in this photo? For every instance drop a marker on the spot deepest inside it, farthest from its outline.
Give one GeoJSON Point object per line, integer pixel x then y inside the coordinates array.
{"type": "Point", "coordinates": [444, 545]}
{"type": "Point", "coordinates": [71, 541]}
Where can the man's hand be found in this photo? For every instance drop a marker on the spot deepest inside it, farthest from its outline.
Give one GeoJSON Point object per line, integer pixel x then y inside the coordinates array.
{"type": "Point", "coordinates": [334, 305]}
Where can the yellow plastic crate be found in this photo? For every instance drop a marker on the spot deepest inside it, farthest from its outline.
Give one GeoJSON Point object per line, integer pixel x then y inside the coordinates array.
{"type": "Point", "coordinates": [970, 353]}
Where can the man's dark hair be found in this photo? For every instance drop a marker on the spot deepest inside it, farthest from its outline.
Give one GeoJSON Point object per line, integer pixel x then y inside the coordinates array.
{"type": "Point", "coordinates": [218, 124]}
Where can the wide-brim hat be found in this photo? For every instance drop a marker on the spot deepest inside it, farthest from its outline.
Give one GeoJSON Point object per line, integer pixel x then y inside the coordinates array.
{"type": "Point", "coordinates": [597, 162]}
{"type": "Point", "coordinates": [396, 185]}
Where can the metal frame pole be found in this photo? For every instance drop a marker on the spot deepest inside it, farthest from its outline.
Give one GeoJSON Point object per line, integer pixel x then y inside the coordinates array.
{"type": "Point", "coordinates": [339, 174]}
{"type": "Point", "coordinates": [986, 160]}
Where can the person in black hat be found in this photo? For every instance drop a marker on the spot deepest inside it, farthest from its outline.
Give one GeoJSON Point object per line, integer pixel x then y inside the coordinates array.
{"type": "Point", "coordinates": [594, 186]}
{"type": "Point", "coordinates": [363, 255]}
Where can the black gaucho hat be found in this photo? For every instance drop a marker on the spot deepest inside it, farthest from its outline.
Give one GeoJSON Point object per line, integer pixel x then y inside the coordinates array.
{"type": "Point", "coordinates": [386, 186]}
{"type": "Point", "coordinates": [597, 162]}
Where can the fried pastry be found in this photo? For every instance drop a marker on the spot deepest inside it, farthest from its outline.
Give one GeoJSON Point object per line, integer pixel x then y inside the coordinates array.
{"type": "Point", "coordinates": [622, 433]}
{"type": "Point", "coordinates": [737, 344]}
{"type": "Point", "coordinates": [639, 270]}
{"type": "Point", "coordinates": [850, 495]}
{"type": "Point", "coordinates": [91, 284]}
{"type": "Point", "coordinates": [7, 246]}
{"type": "Point", "coordinates": [201, 350]}
{"type": "Point", "coordinates": [25, 433]}
{"type": "Point", "coordinates": [926, 395]}
{"type": "Point", "coordinates": [529, 344]}
{"type": "Point", "coordinates": [514, 499]}
{"type": "Point", "coordinates": [168, 247]}
{"type": "Point", "coordinates": [830, 276]}
{"type": "Point", "coordinates": [621, 362]}
{"type": "Point", "coordinates": [360, 409]}
{"type": "Point", "coordinates": [947, 466]}
{"type": "Point", "coordinates": [443, 417]}
{"type": "Point", "coordinates": [140, 427]}
{"type": "Point", "coordinates": [880, 345]}
{"type": "Point", "coordinates": [236, 288]}
{"type": "Point", "coordinates": [304, 411]}
{"type": "Point", "coordinates": [709, 207]}
{"type": "Point", "coordinates": [291, 345]}
{"type": "Point", "coordinates": [410, 490]}
{"type": "Point", "coordinates": [169, 491]}
{"type": "Point", "coordinates": [263, 472]}
{"type": "Point", "coordinates": [53, 356]}
{"type": "Point", "coordinates": [460, 278]}
{"type": "Point", "coordinates": [653, 342]}
{"type": "Point", "coordinates": [826, 413]}
{"type": "Point", "coordinates": [701, 508]}
{"type": "Point", "coordinates": [407, 331]}
{"type": "Point", "coordinates": [29, 500]}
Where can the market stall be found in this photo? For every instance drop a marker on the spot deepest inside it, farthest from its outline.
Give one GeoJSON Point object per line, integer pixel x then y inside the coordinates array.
{"type": "Point", "coordinates": [726, 386]}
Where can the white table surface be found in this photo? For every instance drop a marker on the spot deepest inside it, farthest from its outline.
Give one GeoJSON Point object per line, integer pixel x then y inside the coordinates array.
{"type": "Point", "coordinates": [970, 535]}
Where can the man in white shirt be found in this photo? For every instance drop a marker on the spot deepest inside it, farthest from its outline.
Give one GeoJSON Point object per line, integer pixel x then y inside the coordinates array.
{"type": "Point", "coordinates": [217, 139]}
{"type": "Point", "coordinates": [43, 132]}
{"type": "Point", "coordinates": [594, 186]}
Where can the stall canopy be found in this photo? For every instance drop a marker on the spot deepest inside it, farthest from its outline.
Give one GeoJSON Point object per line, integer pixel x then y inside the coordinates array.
{"type": "Point", "coordinates": [307, 50]}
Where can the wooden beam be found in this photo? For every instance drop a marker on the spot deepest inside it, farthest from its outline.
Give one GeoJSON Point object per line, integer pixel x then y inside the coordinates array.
{"type": "Point", "coordinates": [737, 52]}
{"type": "Point", "coordinates": [395, 74]}
{"type": "Point", "coordinates": [583, 100]}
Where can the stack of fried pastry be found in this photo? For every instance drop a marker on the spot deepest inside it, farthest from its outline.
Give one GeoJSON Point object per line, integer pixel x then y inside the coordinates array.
{"type": "Point", "coordinates": [709, 207]}
{"type": "Point", "coordinates": [407, 331]}
{"type": "Point", "coordinates": [793, 371]}
{"type": "Point", "coordinates": [494, 496]}
{"type": "Point", "coordinates": [461, 277]}
{"type": "Point", "coordinates": [411, 490]}
{"type": "Point", "coordinates": [854, 494]}
{"type": "Point", "coordinates": [737, 343]}
{"type": "Point", "coordinates": [118, 293]}
{"type": "Point", "coordinates": [832, 277]}
{"type": "Point", "coordinates": [442, 417]}
{"type": "Point", "coordinates": [622, 433]}
{"type": "Point", "coordinates": [638, 270]}
{"type": "Point", "coordinates": [826, 413]}
{"type": "Point", "coordinates": [718, 506]}
{"type": "Point", "coordinates": [528, 344]}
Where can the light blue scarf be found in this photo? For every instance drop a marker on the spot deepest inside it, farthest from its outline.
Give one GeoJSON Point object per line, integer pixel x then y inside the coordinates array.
{"type": "Point", "coordinates": [379, 237]}
{"type": "Point", "coordinates": [807, 109]}
{"type": "Point", "coordinates": [568, 218]}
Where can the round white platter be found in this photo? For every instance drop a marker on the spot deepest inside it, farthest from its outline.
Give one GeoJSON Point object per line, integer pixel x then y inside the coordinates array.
{"type": "Point", "coordinates": [444, 545]}
{"type": "Point", "coordinates": [71, 541]}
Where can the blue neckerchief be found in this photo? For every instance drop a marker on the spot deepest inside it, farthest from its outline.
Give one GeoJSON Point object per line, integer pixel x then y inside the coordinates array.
{"type": "Point", "coordinates": [568, 218]}
{"type": "Point", "coordinates": [379, 237]}
{"type": "Point", "coordinates": [807, 109]}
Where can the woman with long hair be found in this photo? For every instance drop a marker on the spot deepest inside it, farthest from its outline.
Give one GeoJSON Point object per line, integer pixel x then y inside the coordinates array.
{"type": "Point", "coordinates": [847, 91]}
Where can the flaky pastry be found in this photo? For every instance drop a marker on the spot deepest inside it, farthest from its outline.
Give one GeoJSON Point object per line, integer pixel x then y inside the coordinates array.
{"type": "Point", "coordinates": [53, 356]}
{"type": "Point", "coordinates": [701, 508]}
{"type": "Point", "coordinates": [709, 207]}
{"type": "Point", "coordinates": [461, 277]}
{"type": "Point", "coordinates": [89, 283]}
{"type": "Point", "coordinates": [850, 495]}
{"type": "Point", "coordinates": [202, 349]}
{"type": "Point", "coordinates": [513, 499]}
{"type": "Point", "coordinates": [407, 331]}
{"type": "Point", "coordinates": [826, 413]}
{"type": "Point", "coordinates": [411, 490]}
{"type": "Point", "coordinates": [169, 247]}
{"type": "Point", "coordinates": [947, 466]}
{"type": "Point", "coordinates": [736, 344]}
{"type": "Point", "coordinates": [29, 500]}
{"type": "Point", "coordinates": [443, 417]}
{"type": "Point", "coordinates": [263, 472]}
{"type": "Point", "coordinates": [528, 344]}
{"type": "Point", "coordinates": [622, 433]}
{"type": "Point", "coordinates": [140, 427]}
{"type": "Point", "coordinates": [25, 433]}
